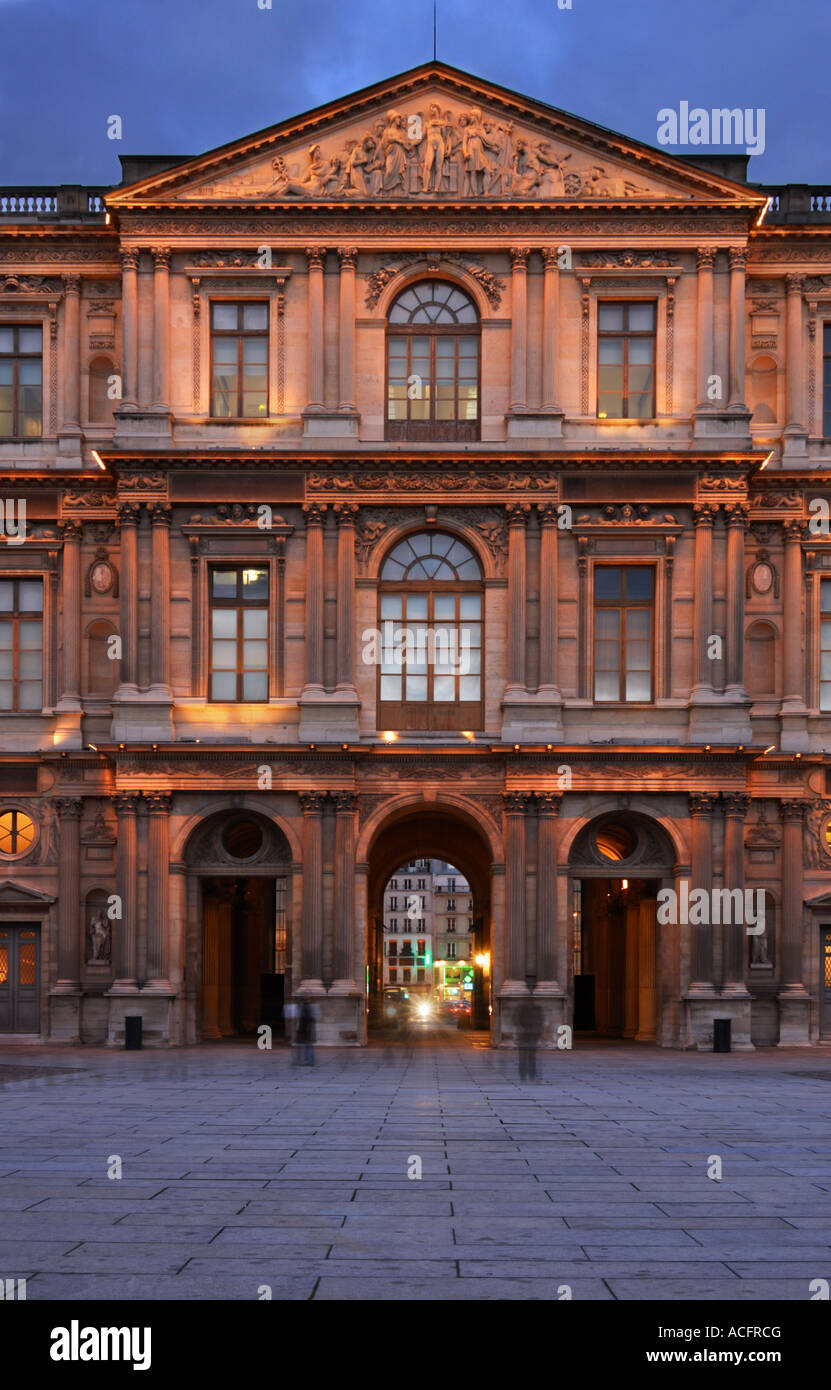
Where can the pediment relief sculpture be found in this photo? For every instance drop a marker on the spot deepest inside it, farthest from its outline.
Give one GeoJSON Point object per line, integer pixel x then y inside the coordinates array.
{"type": "Point", "coordinates": [435, 152]}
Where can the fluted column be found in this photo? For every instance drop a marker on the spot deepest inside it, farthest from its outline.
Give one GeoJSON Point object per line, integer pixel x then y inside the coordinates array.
{"type": "Point", "coordinates": [71, 532]}
{"type": "Point", "coordinates": [702, 807]}
{"type": "Point", "coordinates": [736, 513]}
{"type": "Point", "coordinates": [550, 322]}
{"type": "Point", "coordinates": [161, 329]}
{"type": "Point", "coordinates": [69, 810]}
{"type": "Point", "coordinates": [704, 518]}
{"type": "Point", "coordinates": [547, 513]}
{"type": "Point", "coordinates": [794, 673]}
{"type": "Point", "coordinates": [312, 939]}
{"type": "Point", "coordinates": [71, 422]}
{"type": "Point", "coordinates": [344, 933]}
{"type": "Point", "coordinates": [315, 515]}
{"type": "Point", "coordinates": [126, 975]}
{"type": "Point", "coordinates": [791, 931]}
{"type": "Point", "coordinates": [548, 805]}
{"type": "Point", "coordinates": [734, 933]}
{"type": "Point", "coordinates": [158, 858]}
{"type": "Point", "coordinates": [705, 261]}
{"type": "Point", "coordinates": [515, 864]}
{"type": "Point", "coordinates": [129, 330]}
{"type": "Point", "coordinates": [737, 259]}
{"type": "Point", "coordinates": [316, 256]}
{"type": "Point", "coordinates": [517, 526]}
{"type": "Point", "coordinates": [129, 515]}
{"type": "Point", "coordinates": [348, 260]}
{"type": "Point", "coordinates": [346, 514]}
{"type": "Point", "coordinates": [519, 327]}
{"type": "Point", "coordinates": [160, 599]}
{"type": "Point", "coordinates": [795, 363]}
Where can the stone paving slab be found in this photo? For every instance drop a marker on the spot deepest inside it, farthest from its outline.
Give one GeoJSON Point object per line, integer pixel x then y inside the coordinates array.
{"type": "Point", "coordinates": [242, 1170]}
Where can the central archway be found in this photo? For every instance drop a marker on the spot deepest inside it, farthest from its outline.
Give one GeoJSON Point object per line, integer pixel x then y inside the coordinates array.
{"type": "Point", "coordinates": [449, 835]}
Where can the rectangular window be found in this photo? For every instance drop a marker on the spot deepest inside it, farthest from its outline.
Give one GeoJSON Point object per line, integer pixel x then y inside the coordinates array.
{"type": "Point", "coordinates": [421, 883]}
{"type": "Point", "coordinates": [431, 653]}
{"type": "Point", "coordinates": [239, 635]}
{"type": "Point", "coordinates": [21, 381]}
{"type": "Point", "coordinates": [21, 644]}
{"type": "Point", "coordinates": [392, 949]}
{"type": "Point", "coordinates": [408, 883]}
{"type": "Point", "coordinates": [451, 904]}
{"type": "Point", "coordinates": [239, 361]}
{"type": "Point", "coordinates": [393, 976]}
{"type": "Point", "coordinates": [420, 976]}
{"type": "Point", "coordinates": [405, 976]}
{"type": "Point", "coordinates": [451, 950]}
{"type": "Point", "coordinates": [394, 904]}
{"type": "Point", "coordinates": [825, 645]}
{"type": "Point", "coordinates": [451, 924]}
{"type": "Point", "coordinates": [625, 361]}
{"type": "Point", "coordinates": [623, 598]}
{"type": "Point", "coordinates": [420, 948]}
{"type": "Point", "coordinates": [826, 380]}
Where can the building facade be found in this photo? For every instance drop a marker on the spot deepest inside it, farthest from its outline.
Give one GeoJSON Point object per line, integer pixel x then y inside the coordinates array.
{"type": "Point", "coordinates": [428, 928]}
{"type": "Point", "coordinates": [435, 475]}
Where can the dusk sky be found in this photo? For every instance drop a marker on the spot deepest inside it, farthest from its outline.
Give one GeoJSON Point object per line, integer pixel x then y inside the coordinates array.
{"type": "Point", "coordinates": [187, 75]}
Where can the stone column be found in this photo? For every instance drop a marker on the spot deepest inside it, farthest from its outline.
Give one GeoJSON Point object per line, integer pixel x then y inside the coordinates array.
{"type": "Point", "coordinates": [129, 330]}
{"type": "Point", "coordinates": [736, 513]}
{"type": "Point", "coordinates": [312, 940]}
{"type": "Point", "coordinates": [734, 933]}
{"type": "Point", "coordinates": [515, 804]}
{"type": "Point", "coordinates": [550, 321]}
{"type": "Point", "coordinates": [548, 805]}
{"type": "Point", "coordinates": [158, 858]}
{"type": "Point", "coordinates": [126, 975]}
{"type": "Point", "coordinates": [794, 673]}
{"type": "Point", "coordinates": [519, 327]}
{"type": "Point", "coordinates": [345, 515]}
{"type": "Point", "coordinates": [704, 517]}
{"type": "Point", "coordinates": [630, 1016]}
{"type": "Point", "coordinates": [705, 260]}
{"type": "Point", "coordinates": [316, 257]}
{"type": "Point", "coordinates": [71, 422]}
{"type": "Point", "coordinates": [348, 260]}
{"type": "Point", "coordinates": [737, 258]}
{"type": "Point", "coordinates": [791, 985]}
{"type": "Point", "coordinates": [161, 329]}
{"type": "Point", "coordinates": [517, 523]}
{"type": "Point", "coordinates": [795, 365]}
{"type": "Point", "coordinates": [160, 599]}
{"type": "Point", "coordinates": [647, 970]}
{"type": "Point", "coordinates": [344, 935]}
{"type": "Point", "coordinates": [702, 807]}
{"type": "Point", "coordinates": [69, 810]}
{"type": "Point", "coordinates": [71, 623]}
{"type": "Point", "coordinates": [315, 515]}
{"type": "Point", "coordinates": [129, 515]}
{"type": "Point", "coordinates": [549, 539]}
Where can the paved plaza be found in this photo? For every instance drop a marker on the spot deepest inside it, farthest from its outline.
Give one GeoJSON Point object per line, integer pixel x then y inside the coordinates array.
{"type": "Point", "coordinates": [240, 1170]}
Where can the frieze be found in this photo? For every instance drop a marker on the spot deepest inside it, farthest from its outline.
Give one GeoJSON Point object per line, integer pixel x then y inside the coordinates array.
{"type": "Point", "coordinates": [816, 849]}
{"type": "Point", "coordinates": [626, 260]}
{"type": "Point", "coordinates": [31, 284]}
{"type": "Point", "coordinates": [87, 501]}
{"type": "Point", "coordinates": [426, 480]}
{"type": "Point", "coordinates": [626, 515]}
{"type": "Point", "coordinates": [51, 254]}
{"type": "Point", "coordinates": [417, 224]}
{"type": "Point", "coordinates": [233, 514]}
{"type": "Point", "coordinates": [771, 500]}
{"type": "Point", "coordinates": [141, 482]}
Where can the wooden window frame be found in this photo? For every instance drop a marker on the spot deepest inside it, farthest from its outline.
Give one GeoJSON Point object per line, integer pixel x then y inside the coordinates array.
{"type": "Point", "coordinates": [16, 357]}
{"type": "Point", "coordinates": [826, 378]}
{"type": "Point", "coordinates": [824, 621]}
{"type": "Point", "coordinates": [626, 335]}
{"type": "Point", "coordinates": [240, 606]}
{"type": "Point", "coordinates": [16, 615]}
{"type": "Point", "coordinates": [622, 605]}
{"type": "Point", "coordinates": [240, 334]}
{"type": "Point", "coordinates": [433, 430]}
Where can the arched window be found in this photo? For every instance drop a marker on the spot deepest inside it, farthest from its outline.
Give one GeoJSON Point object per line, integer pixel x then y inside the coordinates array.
{"type": "Point", "coordinates": [100, 404]}
{"type": "Point", "coordinates": [430, 655]}
{"type": "Point", "coordinates": [433, 364]}
{"type": "Point", "coordinates": [760, 659]}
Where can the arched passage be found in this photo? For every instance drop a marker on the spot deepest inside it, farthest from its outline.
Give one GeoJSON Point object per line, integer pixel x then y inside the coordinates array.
{"type": "Point", "coordinates": [622, 969]}
{"type": "Point", "coordinates": [448, 836]}
{"type": "Point", "coordinates": [239, 941]}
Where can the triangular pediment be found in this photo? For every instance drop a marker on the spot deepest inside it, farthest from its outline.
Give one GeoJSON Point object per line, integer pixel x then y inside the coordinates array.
{"type": "Point", "coordinates": [819, 904]}
{"type": "Point", "coordinates": [434, 135]}
{"type": "Point", "coordinates": [15, 895]}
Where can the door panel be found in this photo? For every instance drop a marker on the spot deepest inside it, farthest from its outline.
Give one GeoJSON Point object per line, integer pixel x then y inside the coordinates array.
{"type": "Point", "coordinates": [19, 979]}
{"type": "Point", "coordinates": [825, 982]}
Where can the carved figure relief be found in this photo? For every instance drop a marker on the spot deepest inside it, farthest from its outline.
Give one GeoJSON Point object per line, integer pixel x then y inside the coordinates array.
{"type": "Point", "coordinates": [99, 938]}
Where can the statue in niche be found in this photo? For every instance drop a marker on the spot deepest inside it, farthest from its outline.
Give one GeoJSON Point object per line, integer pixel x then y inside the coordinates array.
{"type": "Point", "coordinates": [759, 949]}
{"type": "Point", "coordinates": [435, 150]}
{"type": "Point", "coordinates": [99, 936]}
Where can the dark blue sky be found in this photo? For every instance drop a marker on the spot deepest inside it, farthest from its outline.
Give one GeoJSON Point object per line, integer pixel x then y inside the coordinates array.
{"type": "Point", "coordinates": [187, 75]}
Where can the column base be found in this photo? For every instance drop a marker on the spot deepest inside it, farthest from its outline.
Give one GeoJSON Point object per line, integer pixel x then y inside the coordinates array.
{"type": "Point", "coordinates": [330, 424]}
{"type": "Point", "coordinates": [65, 1015]}
{"type": "Point", "coordinates": [513, 989]}
{"type": "Point", "coordinates": [154, 1010]}
{"type": "Point", "coordinates": [528, 718]}
{"type": "Point", "coordinates": [345, 989]}
{"type": "Point", "coordinates": [715, 719]}
{"type": "Point", "coordinates": [342, 1021]}
{"type": "Point", "coordinates": [158, 987]}
{"type": "Point", "coordinates": [145, 423]}
{"type": "Point", "coordinates": [121, 987]}
{"type": "Point", "coordinates": [147, 719]}
{"type": "Point", "coordinates": [66, 730]}
{"type": "Point", "coordinates": [794, 1019]}
{"type": "Point", "coordinates": [793, 726]}
{"type": "Point", "coordinates": [535, 424]}
{"type": "Point", "coordinates": [329, 717]}
{"type": "Point", "coordinates": [309, 989]}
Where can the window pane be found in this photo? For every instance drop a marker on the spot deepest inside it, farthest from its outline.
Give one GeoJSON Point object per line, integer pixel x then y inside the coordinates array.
{"type": "Point", "coordinates": [224, 655]}
{"type": "Point", "coordinates": [416, 606]}
{"type": "Point", "coordinates": [606, 686]}
{"type": "Point", "coordinates": [607, 582]}
{"type": "Point", "coordinates": [224, 315]}
{"type": "Point", "coordinates": [224, 622]}
{"type": "Point", "coordinates": [444, 688]}
{"type": "Point", "coordinates": [254, 584]}
{"type": "Point", "coordinates": [641, 317]}
{"type": "Point", "coordinates": [638, 583]}
{"type": "Point", "coordinates": [6, 339]}
{"type": "Point", "coordinates": [610, 352]}
{"type": "Point", "coordinates": [255, 622]}
{"type": "Point", "coordinates": [444, 606]}
{"type": "Point", "coordinates": [29, 695]}
{"type": "Point", "coordinates": [390, 605]}
{"type": "Point", "coordinates": [255, 316]}
{"type": "Point", "coordinates": [5, 694]}
{"type": "Point", "coordinates": [224, 685]}
{"type": "Point", "coordinates": [5, 636]}
{"type": "Point", "coordinates": [610, 315]}
{"type": "Point", "coordinates": [30, 339]}
{"type": "Point", "coordinates": [470, 688]}
{"type": "Point", "coordinates": [638, 686]}
{"type": "Point", "coordinates": [255, 655]}
{"type": "Point", "coordinates": [640, 351]}
{"type": "Point", "coordinates": [416, 688]}
{"type": "Point", "coordinates": [470, 606]}
{"type": "Point", "coordinates": [30, 595]}
{"type": "Point", "coordinates": [29, 665]}
{"type": "Point", "coordinates": [825, 596]}
{"type": "Point", "coordinates": [30, 636]}
{"type": "Point", "coordinates": [224, 583]}
{"type": "Point", "coordinates": [255, 685]}
{"type": "Point", "coordinates": [225, 353]}
{"type": "Point", "coordinates": [390, 687]}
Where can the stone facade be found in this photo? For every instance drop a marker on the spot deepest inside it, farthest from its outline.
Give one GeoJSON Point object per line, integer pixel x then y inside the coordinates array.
{"type": "Point", "coordinates": [142, 789]}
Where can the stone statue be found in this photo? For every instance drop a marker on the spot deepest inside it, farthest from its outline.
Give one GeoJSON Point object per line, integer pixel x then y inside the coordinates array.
{"type": "Point", "coordinates": [394, 147]}
{"type": "Point", "coordinates": [434, 150]}
{"type": "Point", "coordinates": [314, 183]}
{"type": "Point", "coordinates": [99, 934]}
{"type": "Point", "coordinates": [475, 142]}
{"type": "Point", "coordinates": [759, 949]}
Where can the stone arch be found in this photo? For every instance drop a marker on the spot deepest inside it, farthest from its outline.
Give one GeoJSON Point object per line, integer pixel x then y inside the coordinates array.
{"type": "Point", "coordinates": [190, 827]}
{"type": "Point", "coordinates": [432, 270]}
{"type": "Point", "coordinates": [610, 807]}
{"type": "Point", "coordinates": [411, 526]}
{"type": "Point", "coordinates": [413, 803]}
